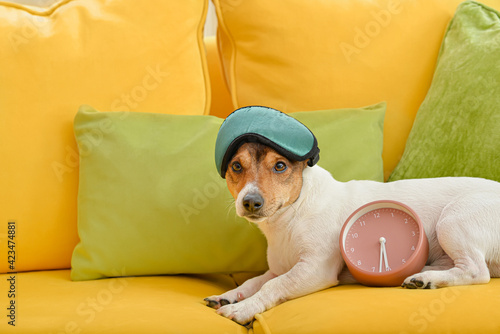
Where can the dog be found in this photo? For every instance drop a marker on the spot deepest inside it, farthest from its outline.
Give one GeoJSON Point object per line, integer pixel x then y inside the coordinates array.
{"type": "Point", "coordinates": [301, 210]}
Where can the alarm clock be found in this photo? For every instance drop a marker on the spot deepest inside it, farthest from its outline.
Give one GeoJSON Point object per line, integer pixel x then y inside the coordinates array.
{"type": "Point", "coordinates": [383, 242]}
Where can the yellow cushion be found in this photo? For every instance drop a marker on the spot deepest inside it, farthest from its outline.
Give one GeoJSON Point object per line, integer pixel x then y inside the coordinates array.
{"type": "Point", "coordinates": [357, 309]}
{"type": "Point", "coordinates": [49, 302]}
{"type": "Point", "coordinates": [115, 55]}
{"type": "Point", "coordinates": [174, 304]}
{"type": "Point", "coordinates": [309, 55]}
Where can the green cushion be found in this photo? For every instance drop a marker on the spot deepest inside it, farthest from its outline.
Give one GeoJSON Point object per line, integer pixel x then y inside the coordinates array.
{"type": "Point", "coordinates": [457, 128]}
{"type": "Point", "coordinates": [150, 199]}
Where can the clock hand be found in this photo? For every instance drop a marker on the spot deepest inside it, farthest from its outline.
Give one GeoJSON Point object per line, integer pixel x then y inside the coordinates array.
{"type": "Point", "coordinates": [382, 252]}
{"type": "Point", "coordinates": [387, 268]}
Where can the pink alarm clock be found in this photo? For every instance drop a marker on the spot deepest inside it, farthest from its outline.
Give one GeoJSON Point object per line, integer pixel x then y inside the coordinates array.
{"type": "Point", "coordinates": [383, 242]}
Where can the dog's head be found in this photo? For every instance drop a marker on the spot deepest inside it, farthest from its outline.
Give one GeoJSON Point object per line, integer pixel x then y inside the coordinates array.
{"type": "Point", "coordinates": [262, 181]}
{"type": "Point", "coordinates": [262, 152]}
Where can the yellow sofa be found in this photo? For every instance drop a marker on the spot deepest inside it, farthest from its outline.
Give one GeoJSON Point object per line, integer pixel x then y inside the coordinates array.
{"type": "Point", "coordinates": [38, 296]}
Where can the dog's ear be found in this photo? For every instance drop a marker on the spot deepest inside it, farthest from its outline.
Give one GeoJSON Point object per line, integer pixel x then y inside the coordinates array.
{"type": "Point", "coordinates": [300, 166]}
{"type": "Point", "coordinates": [304, 164]}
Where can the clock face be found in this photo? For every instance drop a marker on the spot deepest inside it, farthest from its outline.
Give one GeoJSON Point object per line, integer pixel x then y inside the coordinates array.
{"type": "Point", "coordinates": [381, 240]}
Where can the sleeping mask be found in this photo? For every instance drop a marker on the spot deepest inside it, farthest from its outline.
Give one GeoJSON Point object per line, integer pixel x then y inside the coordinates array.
{"type": "Point", "coordinates": [267, 126]}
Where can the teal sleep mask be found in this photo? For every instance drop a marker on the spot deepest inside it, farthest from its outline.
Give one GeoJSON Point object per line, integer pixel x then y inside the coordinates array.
{"type": "Point", "coordinates": [267, 126]}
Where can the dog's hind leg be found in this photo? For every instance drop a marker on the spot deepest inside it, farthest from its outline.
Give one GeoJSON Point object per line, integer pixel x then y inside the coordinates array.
{"type": "Point", "coordinates": [468, 269]}
{"type": "Point", "coordinates": [468, 231]}
{"type": "Point", "coordinates": [442, 263]}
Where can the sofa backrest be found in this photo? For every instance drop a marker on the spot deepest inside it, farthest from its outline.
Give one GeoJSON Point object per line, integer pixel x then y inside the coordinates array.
{"type": "Point", "coordinates": [313, 55]}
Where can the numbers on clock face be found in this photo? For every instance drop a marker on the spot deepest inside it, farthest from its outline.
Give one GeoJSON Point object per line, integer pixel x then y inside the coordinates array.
{"type": "Point", "coordinates": [381, 240]}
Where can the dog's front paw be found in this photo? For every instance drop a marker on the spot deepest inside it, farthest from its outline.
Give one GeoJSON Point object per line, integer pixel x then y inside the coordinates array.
{"type": "Point", "coordinates": [418, 281]}
{"type": "Point", "coordinates": [217, 302]}
{"type": "Point", "coordinates": [230, 297]}
{"type": "Point", "coordinates": [242, 313]}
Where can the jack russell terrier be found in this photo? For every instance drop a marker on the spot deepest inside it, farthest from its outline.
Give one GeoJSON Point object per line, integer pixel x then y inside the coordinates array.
{"type": "Point", "coordinates": [268, 161]}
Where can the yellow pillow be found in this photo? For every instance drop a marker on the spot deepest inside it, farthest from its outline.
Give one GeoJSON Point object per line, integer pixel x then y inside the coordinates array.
{"type": "Point", "coordinates": [145, 56]}
{"type": "Point", "coordinates": [296, 55]}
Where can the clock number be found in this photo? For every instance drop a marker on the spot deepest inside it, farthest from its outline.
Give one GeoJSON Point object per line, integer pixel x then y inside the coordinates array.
{"type": "Point", "coordinates": [406, 220]}
{"type": "Point", "coordinates": [403, 260]}
{"type": "Point", "coordinates": [412, 248]}
{"type": "Point", "coordinates": [354, 235]}
{"type": "Point", "coordinates": [373, 269]}
{"type": "Point", "coordinates": [362, 223]}
{"type": "Point", "coordinates": [413, 233]}
{"type": "Point", "coordinates": [376, 214]}
{"type": "Point", "coordinates": [352, 250]}
{"type": "Point", "coordinates": [359, 262]}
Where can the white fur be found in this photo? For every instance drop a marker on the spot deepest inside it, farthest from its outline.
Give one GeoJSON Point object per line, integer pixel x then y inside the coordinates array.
{"type": "Point", "coordinates": [461, 218]}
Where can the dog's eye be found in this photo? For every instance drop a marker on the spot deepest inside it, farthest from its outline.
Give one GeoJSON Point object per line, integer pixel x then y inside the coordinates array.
{"type": "Point", "coordinates": [280, 166]}
{"type": "Point", "coordinates": [236, 166]}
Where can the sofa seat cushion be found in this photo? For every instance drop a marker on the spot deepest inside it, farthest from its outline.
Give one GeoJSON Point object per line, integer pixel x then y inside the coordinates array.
{"type": "Point", "coordinates": [359, 309]}
{"type": "Point", "coordinates": [49, 302]}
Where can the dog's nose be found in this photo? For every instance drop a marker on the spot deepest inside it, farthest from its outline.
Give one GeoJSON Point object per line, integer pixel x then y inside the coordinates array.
{"type": "Point", "coordinates": [253, 202]}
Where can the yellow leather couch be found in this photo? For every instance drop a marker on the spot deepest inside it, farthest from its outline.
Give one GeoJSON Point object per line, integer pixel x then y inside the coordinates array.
{"type": "Point", "coordinates": [37, 294]}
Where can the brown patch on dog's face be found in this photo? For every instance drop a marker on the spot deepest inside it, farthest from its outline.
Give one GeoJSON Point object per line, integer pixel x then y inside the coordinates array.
{"type": "Point", "coordinates": [262, 181]}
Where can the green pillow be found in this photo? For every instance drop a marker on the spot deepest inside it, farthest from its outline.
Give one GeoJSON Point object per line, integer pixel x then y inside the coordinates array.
{"type": "Point", "coordinates": [150, 200]}
{"type": "Point", "coordinates": [457, 128]}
